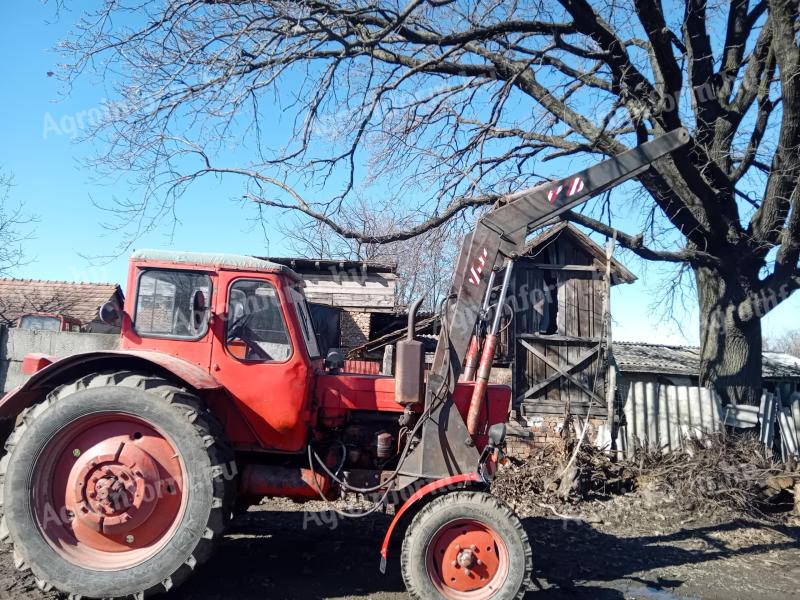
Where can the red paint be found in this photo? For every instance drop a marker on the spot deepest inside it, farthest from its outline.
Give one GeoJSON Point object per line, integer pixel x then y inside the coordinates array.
{"type": "Point", "coordinates": [481, 382]}
{"type": "Point", "coordinates": [456, 480]}
{"type": "Point", "coordinates": [471, 360]}
{"type": "Point", "coordinates": [35, 362]}
{"type": "Point", "coordinates": [262, 405]}
{"type": "Point", "coordinates": [283, 482]}
{"type": "Point", "coordinates": [363, 366]}
{"type": "Point", "coordinates": [467, 559]}
{"type": "Point", "coordinates": [110, 491]}
{"type": "Point", "coordinates": [273, 398]}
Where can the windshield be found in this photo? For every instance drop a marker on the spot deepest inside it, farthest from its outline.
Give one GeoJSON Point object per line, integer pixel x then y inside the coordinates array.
{"type": "Point", "coordinates": [164, 303]}
{"type": "Point", "coordinates": [40, 323]}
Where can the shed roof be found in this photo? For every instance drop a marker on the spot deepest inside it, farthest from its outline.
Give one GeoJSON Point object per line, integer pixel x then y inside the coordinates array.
{"type": "Point", "coordinates": [634, 357]}
{"type": "Point", "coordinates": [79, 300]}
{"type": "Point", "coordinates": [620, 272]}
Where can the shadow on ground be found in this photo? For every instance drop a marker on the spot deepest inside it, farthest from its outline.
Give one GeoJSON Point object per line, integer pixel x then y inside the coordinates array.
{"type": "Point", "coordinates": [311, 555]}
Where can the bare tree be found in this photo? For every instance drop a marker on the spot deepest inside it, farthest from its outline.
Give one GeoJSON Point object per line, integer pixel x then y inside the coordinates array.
{"type": "Point", "coordinates": [424, 263]}
{"type": "Point", "coordinates": [457, 103]}
{"type": "Point", "coordinates": [13, 223]}
{"type": "Point", "coordinates": [787, 342]}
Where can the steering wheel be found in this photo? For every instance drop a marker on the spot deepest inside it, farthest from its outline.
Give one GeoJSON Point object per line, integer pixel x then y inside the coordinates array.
{"type": "Point", "coordinates": [240, 330]}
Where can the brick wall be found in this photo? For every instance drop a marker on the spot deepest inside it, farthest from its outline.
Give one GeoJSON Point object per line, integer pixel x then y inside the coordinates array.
{"type": "Point", "coordinates": [547, 430]}
{"type": "Point", "coordinates": [354, 328]}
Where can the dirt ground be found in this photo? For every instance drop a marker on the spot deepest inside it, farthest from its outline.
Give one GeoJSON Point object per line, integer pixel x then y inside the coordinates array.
{"type": "Point", "coordinates": [635, 546]}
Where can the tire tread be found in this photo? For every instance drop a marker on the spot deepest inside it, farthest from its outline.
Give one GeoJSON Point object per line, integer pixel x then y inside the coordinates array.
{"type": "Point", "coordinates": [206, 426]}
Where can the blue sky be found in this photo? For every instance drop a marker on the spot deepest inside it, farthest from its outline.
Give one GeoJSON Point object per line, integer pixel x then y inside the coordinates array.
{"type": "Point", "coordinates": [39, 149]}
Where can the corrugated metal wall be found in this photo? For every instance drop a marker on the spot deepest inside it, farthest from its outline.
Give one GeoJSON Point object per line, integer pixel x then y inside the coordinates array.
{"type": "Point", "coordinates": [661, 416]}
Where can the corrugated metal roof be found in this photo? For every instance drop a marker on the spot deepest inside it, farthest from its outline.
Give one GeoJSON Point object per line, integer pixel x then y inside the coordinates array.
{"type": "Point", "coordinates": [685, 360]}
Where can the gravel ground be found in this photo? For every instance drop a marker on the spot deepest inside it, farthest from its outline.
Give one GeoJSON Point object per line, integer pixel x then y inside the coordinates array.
{"type": "Point", "coordinates": [634, 546]}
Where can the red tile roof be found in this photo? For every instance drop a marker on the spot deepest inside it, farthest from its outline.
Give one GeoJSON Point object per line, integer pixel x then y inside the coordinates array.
{"type": "Point", "coordinates": [78, 300]}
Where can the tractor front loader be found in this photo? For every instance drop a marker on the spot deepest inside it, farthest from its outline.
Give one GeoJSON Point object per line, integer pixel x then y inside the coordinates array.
{"type": "Point", "coordinates": [123, 468]}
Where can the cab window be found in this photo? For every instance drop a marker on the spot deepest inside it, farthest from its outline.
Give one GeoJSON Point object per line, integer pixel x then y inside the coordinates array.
{"type": "Point", "coordinates": [256, 330]}
{"type": "Point", "coordinates": [165, 301]}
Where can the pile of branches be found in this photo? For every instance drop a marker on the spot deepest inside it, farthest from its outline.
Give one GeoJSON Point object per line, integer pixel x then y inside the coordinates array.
{"type": "Point", "coordinates": [719, 471]}
{"type": "Point", "coordinates": [716, 471]}
{"type": "Point", "coordinates": [559, 472]}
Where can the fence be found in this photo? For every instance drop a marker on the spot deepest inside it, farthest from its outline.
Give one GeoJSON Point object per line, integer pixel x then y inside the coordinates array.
{"type": "Point", "coordinates": [16, 343]}
{"type": "Point", "coordinates": [661, 416]}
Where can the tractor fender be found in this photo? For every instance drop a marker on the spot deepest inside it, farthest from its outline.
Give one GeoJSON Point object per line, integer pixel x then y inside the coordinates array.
{"type": "Point", "coordinates": [55, 372]}
{"type": "Point", "coordinates": [427, 490]}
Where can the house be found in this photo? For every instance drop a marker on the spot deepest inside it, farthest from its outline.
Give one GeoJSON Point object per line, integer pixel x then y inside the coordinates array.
{"type": "Point", "coordinates": [351, 301]}
{"type": "Point", "coordinates": [56, 305]}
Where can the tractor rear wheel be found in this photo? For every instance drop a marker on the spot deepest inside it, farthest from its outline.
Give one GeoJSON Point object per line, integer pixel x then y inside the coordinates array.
{"type": "Point", "coordinates": [115, 485]}
{"type": "Point", "coordinates": [466, 546]}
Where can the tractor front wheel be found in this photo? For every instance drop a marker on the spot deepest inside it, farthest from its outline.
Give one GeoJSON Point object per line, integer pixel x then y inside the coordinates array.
{"type": "Point", "coordinates": [466, 546]}
{"type": "Point", "coordinates": [115, 485]}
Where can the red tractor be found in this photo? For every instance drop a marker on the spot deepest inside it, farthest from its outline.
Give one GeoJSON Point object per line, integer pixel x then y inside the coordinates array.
{"type": "Point", "coordinates": [124, 467]}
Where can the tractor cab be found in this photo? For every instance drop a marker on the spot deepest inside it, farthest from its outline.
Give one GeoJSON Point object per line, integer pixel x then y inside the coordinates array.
{"type": "Point", "coordinates": [242, 319]}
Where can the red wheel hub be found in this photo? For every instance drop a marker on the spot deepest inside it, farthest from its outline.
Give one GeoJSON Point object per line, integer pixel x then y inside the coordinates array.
{"type": "Point", "coordinates": [108, 491]}
{"type": "Point", "coordinates": [467, 560]}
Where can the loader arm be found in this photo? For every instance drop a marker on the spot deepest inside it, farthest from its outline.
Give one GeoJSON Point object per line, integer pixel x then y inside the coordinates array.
{"type": "Point", "coordinates": [445, 447]}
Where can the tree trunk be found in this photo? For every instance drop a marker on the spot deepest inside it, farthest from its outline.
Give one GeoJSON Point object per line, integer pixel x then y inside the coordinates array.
{"type": "Point", "coordinates": [730, 338]}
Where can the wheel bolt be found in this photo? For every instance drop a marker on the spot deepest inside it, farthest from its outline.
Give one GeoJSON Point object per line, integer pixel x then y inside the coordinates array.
{"type": "Point", "coordinates": [130, 539]}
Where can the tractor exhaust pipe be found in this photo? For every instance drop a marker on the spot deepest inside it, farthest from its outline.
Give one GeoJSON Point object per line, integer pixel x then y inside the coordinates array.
{"type": "Point", "coordinates": [487, 358]}
{"type": "Point", "coordinates": [471, 361]}
{"type": "Point", "coordinates": [409, 373]}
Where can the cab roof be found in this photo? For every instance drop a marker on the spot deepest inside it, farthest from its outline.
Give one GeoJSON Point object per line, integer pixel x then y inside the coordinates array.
{"type": "Point", "coordinates": [237, 262]}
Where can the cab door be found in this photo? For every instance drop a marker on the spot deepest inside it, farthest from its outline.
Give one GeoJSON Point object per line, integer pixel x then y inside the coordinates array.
{"type": "Point", "coordinates": [260, 357]}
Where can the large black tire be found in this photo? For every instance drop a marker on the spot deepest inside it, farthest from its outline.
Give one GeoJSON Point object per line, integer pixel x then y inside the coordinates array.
{"type": "Point", "coordinates": [427, 537]}
{"type": "Point", "coordinates": [208, 488]}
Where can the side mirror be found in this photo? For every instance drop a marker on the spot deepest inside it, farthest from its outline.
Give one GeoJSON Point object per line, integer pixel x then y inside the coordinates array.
{"type": "Point", "coordinates": [110, 314]}
{"type": "Point", "coordinates": [200, 311]}
{"type": "Point", "coordinates": [334, 361]}
{"type": "Point", "coordinates": [497, 435]}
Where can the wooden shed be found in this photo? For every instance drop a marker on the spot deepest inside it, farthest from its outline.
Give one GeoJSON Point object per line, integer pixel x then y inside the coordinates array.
{"type": "Point", "coordinates": [558, 341]}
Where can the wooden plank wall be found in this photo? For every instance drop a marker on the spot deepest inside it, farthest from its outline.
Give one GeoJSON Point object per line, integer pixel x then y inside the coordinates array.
{"type": "Point", "coordinates": [373, 291]}
{"type": "Point", "coordinates": [580, 297]}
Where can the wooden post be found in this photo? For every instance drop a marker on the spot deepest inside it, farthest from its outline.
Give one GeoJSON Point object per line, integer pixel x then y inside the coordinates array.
{"type": "Point", "coordinates": [388, 360]}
